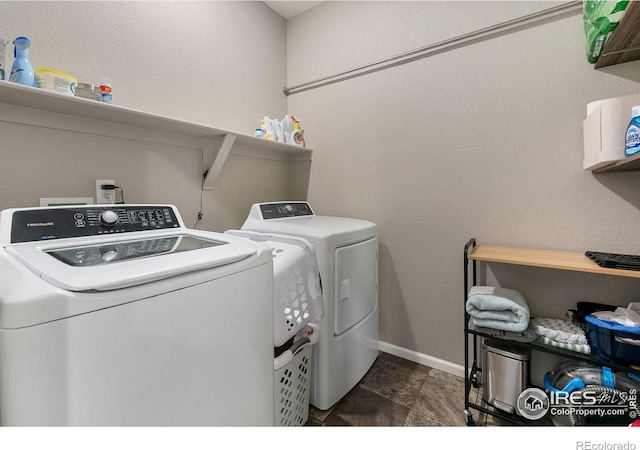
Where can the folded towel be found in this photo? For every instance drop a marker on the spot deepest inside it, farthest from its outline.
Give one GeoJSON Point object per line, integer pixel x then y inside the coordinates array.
{"type": "Point", "coordinates": [580, 348]}
{"type": "Point", "coordinates": [559, 330]}
{"type": "Point", "coordinates": [499, 308]}
{"type": "Point", "coordinates": [527, 335]}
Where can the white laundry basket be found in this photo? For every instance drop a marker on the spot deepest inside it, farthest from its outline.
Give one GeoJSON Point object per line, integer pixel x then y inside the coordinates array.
{"type": "Point", "coordinates": [297, 306]}
{"type": "Point", "coordinates": [292, 382]}
{"type": "Point", "coordinates": [297, 292]}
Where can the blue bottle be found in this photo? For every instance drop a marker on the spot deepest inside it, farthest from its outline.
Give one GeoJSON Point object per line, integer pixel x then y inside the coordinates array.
{"type": "Point", "coordinates": [632, 140]}
{"type": "Point", "coordinates": [21, 71]}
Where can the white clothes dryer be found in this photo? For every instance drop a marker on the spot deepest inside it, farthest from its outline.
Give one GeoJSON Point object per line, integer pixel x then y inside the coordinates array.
{"type": "Point", "coordinates": [118, 315]}
{"type": "Point", "coordinates": [347, 254]}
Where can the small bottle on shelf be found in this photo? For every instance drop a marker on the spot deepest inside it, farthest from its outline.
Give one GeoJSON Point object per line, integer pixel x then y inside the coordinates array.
{"type": "Point", "coordinates": [3, 58]}
{"type": "Point", "coordinates": [22, 71]}
{"type": "Point", "coordinates": [632, 137]}
{"type": "Point", "coordinates": [106, 89]}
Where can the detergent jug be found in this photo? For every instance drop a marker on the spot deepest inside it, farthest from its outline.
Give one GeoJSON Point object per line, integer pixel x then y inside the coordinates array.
{"type": "Point", "coordinates": [21, 71]}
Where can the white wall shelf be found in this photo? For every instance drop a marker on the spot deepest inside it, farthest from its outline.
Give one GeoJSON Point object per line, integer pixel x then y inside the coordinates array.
{"type": "Point", "coordinates": [33, 106]}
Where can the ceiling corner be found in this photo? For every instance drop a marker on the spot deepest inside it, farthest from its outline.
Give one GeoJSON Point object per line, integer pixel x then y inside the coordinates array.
{"type": "Point", "coordinates": [288, 9]}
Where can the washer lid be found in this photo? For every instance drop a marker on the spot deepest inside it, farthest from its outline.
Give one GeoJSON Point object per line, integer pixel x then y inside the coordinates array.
{"type": "Point", "coordinates": [321, 230]}
{"type": "Point", "coordinates": [99, 264]}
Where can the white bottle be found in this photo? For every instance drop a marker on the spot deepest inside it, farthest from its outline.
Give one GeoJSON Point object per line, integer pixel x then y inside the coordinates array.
{"type": "Point", "coordinates": [277, 125]}
{"type": "Point", "coordinates": [287, 129]}
{"type": "Point", "coordinates": [268, 131]}
{"type": "Point", "coordinates": [3, 58]}
{"type": "Point", "coordinates": [106, 89]}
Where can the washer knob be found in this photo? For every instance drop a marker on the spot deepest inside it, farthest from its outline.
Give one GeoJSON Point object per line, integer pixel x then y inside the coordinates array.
{"type": "Point", "coordinates": [109, 218]}
{"type": "Point", "coordinates": [288, 208]}
{"type": "Point", "coordinates": [108, 254]}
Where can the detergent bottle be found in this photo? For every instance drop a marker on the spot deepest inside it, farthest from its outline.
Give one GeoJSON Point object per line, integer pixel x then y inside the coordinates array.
{"type": "Point", "coordinates": [21, 71]}
{"type": "Point", "coordinates": [287, 129]}
{"type": "Point", "coordinates": [268, 129]}
{"type": "Point", "coordinates": [632, 137]}
{"type": "Point", "coordinates": [277, 126]}
{"type": "Point", "coordinates": [3, 58]}
{"type": "Point", "coordinates": [297, 136]}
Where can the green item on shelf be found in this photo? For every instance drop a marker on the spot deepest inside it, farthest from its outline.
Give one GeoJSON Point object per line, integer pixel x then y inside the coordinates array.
{"type": "Point", "coordinates": [600, 19]}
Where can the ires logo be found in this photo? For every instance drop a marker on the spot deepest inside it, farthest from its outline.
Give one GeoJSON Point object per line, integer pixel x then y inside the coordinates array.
{"type": "Point", "coordinates": [585, 397]}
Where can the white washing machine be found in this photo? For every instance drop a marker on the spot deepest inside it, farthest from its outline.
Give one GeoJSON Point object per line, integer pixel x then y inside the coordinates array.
{"type": "Point", "coordinates": [120, 315]}
{"type": "Point", "coordinates": [347, 254]}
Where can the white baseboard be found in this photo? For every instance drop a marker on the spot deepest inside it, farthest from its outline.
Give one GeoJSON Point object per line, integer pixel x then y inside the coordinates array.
{"type": "Point", "coordinates": [421, 358]}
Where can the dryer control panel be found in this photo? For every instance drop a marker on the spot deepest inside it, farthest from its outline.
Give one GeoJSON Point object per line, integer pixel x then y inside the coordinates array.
{"type": "Point", "coordinates": [41, 224]}
{"type": "Point", "coordinates": [281, 210]}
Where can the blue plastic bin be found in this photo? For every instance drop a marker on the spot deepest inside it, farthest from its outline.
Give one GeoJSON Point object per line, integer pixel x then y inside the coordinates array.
{"type": "Point", "coordinates": [613, 342]}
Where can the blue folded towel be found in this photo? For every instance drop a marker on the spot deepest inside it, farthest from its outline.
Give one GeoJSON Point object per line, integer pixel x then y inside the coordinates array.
{"type": "Point", "coordinates": [498, 308]}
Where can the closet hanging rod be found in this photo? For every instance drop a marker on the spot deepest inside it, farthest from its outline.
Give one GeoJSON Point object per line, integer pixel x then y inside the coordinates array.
{"type": "Point", "coordinates": [441, 46]}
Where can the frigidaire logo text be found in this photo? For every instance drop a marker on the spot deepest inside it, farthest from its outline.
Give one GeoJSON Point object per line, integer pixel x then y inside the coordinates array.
{"type": "Point", "coordinates": [40, 224]}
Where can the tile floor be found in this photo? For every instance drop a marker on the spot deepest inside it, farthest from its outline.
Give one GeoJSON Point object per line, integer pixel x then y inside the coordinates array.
{"type": "Point", "coordinates": [398, 392]}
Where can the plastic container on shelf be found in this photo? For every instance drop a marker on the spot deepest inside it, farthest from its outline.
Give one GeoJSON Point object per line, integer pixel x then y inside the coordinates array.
{"type": "Point", "coordinates": [56, 81]}
{"type": "Point", "coordinates": [632, 137]}
{"type": "Point", "coordinates": [613, 342]}
{"type": "Point", "coordinates": [297, 135]}
{"type": "Point", "coordinates": [268, 128]}
{"type": "Point", "coordinates": [287, 129]}
{"type": "Point", "coordinates": [106, 89]}
{"type": "Point", "coordinates": [3, 58]}
{"type": "Point", "coordinates": [89, 91]}
{"type": "Point", "coordinates": [277, 126]}
{"type": "Point", "coordinates": [21, 70]}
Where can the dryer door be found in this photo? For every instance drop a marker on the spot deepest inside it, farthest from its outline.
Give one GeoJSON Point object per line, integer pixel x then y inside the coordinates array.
{"type": "Point", "coordinates": [356, 279]}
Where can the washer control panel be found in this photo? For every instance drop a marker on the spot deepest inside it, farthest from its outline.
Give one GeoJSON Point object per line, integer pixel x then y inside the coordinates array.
{"type": "Point", "coordinates": [282, 210]}
{"type": "Point", "coordinates": [96, 255]}
{"type": "Point", "coordinates": [113, 252]}
{"type": "Point", "coordinates": [41, 224]}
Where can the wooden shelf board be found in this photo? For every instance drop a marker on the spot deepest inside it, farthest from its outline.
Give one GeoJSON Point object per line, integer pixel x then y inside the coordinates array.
{"type": "Point", "coordinates": [576, 262]}
{"type": "Point", "coordinates": [629, 164]}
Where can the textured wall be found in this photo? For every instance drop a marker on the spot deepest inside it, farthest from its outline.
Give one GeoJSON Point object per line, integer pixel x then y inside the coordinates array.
{"type": "Point", "coordinates": [221, 64]}
{"type": "Point", "coordinates": [482, 141]}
